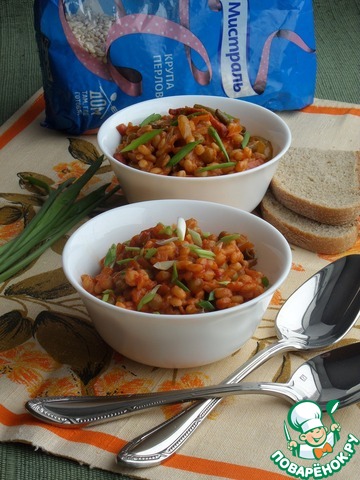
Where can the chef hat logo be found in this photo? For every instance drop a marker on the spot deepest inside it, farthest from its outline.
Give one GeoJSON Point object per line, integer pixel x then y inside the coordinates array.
{"type": "Point", "coordinates": [305, 416]}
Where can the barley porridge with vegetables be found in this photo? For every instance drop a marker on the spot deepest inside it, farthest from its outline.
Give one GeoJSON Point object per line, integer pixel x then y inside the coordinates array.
{"type": "Point", "coordinates": [191, 141]}
{"type": "Point", "coordinates": [178, 269]}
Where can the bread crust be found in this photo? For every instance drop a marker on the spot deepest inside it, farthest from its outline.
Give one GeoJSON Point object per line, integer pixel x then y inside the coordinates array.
{"type": "Point", "coordinates": [284, 187]}
{"type": "Point", "coordinates": [307, 233]}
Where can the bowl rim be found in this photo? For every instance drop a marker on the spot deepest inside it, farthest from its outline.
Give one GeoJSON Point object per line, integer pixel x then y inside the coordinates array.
{"type": "Point", "coordinates": [172, 178]}
{"type": "Point", "coordinates": [176, 317]}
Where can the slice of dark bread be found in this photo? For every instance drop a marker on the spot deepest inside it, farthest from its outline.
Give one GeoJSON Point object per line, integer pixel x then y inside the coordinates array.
{"type": "Point", "coordinates": [318, 184]}
{"type": "Point", "coordinates": [306, 233]}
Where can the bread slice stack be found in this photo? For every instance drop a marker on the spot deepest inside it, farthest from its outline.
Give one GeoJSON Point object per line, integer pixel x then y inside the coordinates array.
{"type": "Point", "coordinates": [314, 199]}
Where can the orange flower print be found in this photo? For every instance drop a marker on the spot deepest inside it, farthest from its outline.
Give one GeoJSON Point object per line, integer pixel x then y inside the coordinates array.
{"type": "Point", "coordinates": [25, 365]}
{"type": "Point", "coordinates": [116, 382]}
{"type": "Point", "coordinates": [7, 232]}
{"type": "Point", "coordinates": [73, 170]}
{"type": "Point", "coordinates": [297, 267]}
{"type": "Point", "coordinates": [114, 183]}
{"type": "Point", "coordinates": [189, 380]}
{"type": "Point", "coordinates": [276, 299]}
{"type": "Point", "coordinates": [68, 386]}
{"type": "Point", "coordinates": [69, 170]}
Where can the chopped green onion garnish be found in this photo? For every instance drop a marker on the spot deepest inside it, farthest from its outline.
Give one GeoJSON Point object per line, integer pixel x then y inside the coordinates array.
{"type": "Point", "coordinates": [110, 257]}
{"type": "Point", "coordinates": [181, 285]}
{"type": "Point", "coordinates": [211, 296]}
{"type": "Point", "coordinates": [195, 114]}
{"type": "Point", "coordinates": [148, 297]}
{"type": "Point", "coordinates": [175, 280]}
{"type": "Point", "coordinates": [224, 282]}
{"type": "Point", "coordinates": [217, 166]}
{"type": "Point", "coordinates": [245, 139]}
{"type": "Point", "coordinates": [265, 281]}
{"type": "Point", "coordinates": [151, 118]}
{"type": "Point", "coordinates": [205, 254]}
{"type": "Point", "coordinates": [196, 237]}
{"type": "Point", "coordinates": [206, 305]}
{"type": "Point", "coordinates": [174, 276]}
{"type": "Point", "coordinates": [185, 150]}
{"type": "Point", "coordinates": [206, 108]}
{"type": "Point", "coordinates": [150, 253]}
{"type": "Point", "coordinates": [167, 230]}
{"type": "Point", "coordinates": [125, 260]}
{"type": "Point", "coordinates": [224, 117]}
{"type": "Point", "coordinates": [229, 238]}
{"type": "Point", "coordinates": [144, 138]}
{"type": "Point", "coordinates": [132, 249]}
{"type": "Point", "coordinates": [106, 295]}
{"type": "Point", "coordinates": [216, 137]}
{"type": "Point", "coordinates": [201, 252]}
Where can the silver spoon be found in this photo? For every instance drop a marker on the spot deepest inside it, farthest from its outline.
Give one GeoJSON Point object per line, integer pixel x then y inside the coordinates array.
{"type": "Point", "coordinates": [331, 375]}
{"type": "Point", "coordinates": [317, 315]}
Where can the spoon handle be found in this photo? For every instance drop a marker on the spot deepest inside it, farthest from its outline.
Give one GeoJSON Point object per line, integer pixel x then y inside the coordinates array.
{"type": "Point", "coordinates": [81, 411]}
{"type": "Point", "coordinates": [158, 444]}
{"type": "Point", "coordinates": [75, 411]}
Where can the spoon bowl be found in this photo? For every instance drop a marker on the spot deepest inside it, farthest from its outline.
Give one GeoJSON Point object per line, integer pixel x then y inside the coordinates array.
{"type": "Point", "coordinates": [323, 309]}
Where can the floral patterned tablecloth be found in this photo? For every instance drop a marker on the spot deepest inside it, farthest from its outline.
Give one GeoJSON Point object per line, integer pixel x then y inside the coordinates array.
{"type": "Point", "coordinates": [48, 345]}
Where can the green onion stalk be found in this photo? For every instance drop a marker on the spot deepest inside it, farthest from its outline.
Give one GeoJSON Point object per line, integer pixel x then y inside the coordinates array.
{"type": "Point", "coordinates": [61, 211]}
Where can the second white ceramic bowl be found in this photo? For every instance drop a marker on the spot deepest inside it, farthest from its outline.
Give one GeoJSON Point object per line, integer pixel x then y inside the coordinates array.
{"type": "Point", "coordinates": [243, 190]}
{"type": "Point", "coordinates": [174, 341]}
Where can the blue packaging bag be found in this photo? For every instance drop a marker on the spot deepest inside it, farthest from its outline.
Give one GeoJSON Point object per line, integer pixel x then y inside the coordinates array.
{"type": "Point", "coordinates": [98, 56]}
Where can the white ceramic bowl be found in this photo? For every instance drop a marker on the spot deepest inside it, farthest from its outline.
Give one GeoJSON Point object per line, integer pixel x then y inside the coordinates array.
{"type": "Point", "coordinates": [243, 190]}
{"type": "Point", "coordinates": [174, 341]}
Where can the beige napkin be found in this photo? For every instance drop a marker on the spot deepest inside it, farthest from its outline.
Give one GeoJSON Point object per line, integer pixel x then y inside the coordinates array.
{"type": "Point", "coordinates": [49, 347]}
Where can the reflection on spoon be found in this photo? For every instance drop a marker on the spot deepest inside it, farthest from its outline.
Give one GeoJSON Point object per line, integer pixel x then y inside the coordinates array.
{"type": "Point", "coordinates": [331, 375]}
